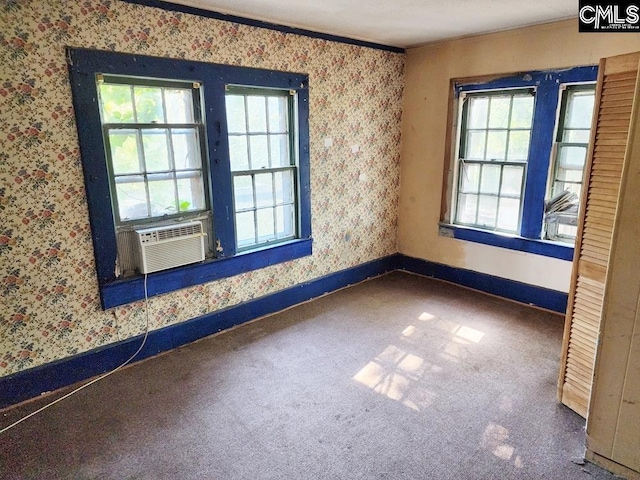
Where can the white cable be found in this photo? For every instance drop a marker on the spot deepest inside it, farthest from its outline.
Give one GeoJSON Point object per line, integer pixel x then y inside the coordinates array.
{"type": "Point", "coordinates": [72, 392]}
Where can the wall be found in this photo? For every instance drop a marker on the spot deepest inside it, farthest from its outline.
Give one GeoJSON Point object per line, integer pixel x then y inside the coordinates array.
{"type": "Point", "coordinates": [50, 308]}
{"type": "Point", "coordinates": [428, 72]}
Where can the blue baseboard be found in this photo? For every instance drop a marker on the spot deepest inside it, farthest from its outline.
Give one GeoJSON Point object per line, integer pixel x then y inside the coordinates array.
{"type": "Point", "coordinates": [521, 292]}
{"type": "Point", "coordinates": [52, 376]}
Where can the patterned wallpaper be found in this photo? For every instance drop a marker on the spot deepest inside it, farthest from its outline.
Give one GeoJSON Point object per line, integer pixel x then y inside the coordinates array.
{"type": "Point", "coordinates": [50, 306]}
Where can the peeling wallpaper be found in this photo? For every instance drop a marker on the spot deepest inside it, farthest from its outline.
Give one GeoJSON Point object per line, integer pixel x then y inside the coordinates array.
{"type": "Point", "coordinates": [50, 305]}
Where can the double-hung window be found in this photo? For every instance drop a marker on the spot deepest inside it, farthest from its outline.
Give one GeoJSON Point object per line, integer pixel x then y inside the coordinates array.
{"type": "Point", "coordinates": [494, 143]}
{"type": "Point", "coordinates": [153, 132]}
{"type": "Point", "coordinates": [517, 142]}
{"type": "Point", "coordinates": [263, 164]}
{"type": "Point", "coordinates": [569, 158]}
{"type": "Point", "coordinates": [167, 144]}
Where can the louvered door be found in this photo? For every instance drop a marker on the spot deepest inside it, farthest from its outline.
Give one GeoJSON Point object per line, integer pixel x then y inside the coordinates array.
{"type": "Point", "coordinates": [614, 99]}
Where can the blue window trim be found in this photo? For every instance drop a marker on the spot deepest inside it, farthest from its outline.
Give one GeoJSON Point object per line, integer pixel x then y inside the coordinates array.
{"type": "Point", "coordinates": [545, 248]}
{"type": "Point", "coordinates": [547, 84]}
{"type": "Point", "coordinates": [84, 64]}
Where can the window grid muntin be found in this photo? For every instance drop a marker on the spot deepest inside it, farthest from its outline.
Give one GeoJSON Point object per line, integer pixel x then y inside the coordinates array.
{"type": "Point", "coordinates": [245, 93]}
{"type": "Point", "coordinates": [500, 195]}
{"type": "Point", "coordinates": [465, 130]}
{"type": "Point", "coordinates": [567, 95]}
{"type": "Point", "coordinates": [168, 128]}
{"type": "Point", "coordinates": [568, 232]}
{"type": "Point", "coordinates": [462, 161]}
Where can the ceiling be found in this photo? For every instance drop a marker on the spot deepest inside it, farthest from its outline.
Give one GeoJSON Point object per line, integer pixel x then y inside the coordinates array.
{"type": "Point", "coordinates": [399, 23]}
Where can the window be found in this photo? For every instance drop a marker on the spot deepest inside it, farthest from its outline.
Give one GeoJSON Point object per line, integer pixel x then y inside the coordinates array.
{"type": "Point", "coordinates": [503, 171]}
{"type": "Point", "coordinates": [494, 142]}
{"type": "Point", "coordinates": [166, 141]}
{"type": "Point", "coordinates": [570, 154]}
{"type": "Point", "coordinates": [262, 165]}
{"type": "Point", "coordinates": [152, 133]}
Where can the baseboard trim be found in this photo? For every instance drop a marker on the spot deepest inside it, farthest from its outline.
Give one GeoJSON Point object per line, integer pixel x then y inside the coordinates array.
{"type": "Point", "coordinates": [520, 292]}
{"type": "Point", "coordinates": [614, 467]}
{"type": "Point", "coordinates": [33, 382]}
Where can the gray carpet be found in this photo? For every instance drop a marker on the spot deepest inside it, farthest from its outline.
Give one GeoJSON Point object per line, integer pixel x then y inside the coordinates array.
{"type": "Point", "coordinates": [398, 377]}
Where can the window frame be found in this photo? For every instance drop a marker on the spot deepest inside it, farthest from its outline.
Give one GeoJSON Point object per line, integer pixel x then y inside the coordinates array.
{"type": "Point", "coordinates": [461, 151]}
{"type": "Point", "coordinates": [566, 90]}
{"type": "Point", "coordinates": [249, 171]}
{"type": "Point", "coordinates": [198, 125]}
{"type": "Point", "coordinates": [84, 66]}
{"type": "Point", "coordinates": [547, 93]}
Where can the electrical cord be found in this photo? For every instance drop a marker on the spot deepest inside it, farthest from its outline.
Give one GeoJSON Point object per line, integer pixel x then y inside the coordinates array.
{"type": "Point", "coordinates": [105, 375]}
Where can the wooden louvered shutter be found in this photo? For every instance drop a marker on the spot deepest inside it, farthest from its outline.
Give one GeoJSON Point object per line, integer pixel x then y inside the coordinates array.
{"type": "Point", "coordinates": [614, 99]}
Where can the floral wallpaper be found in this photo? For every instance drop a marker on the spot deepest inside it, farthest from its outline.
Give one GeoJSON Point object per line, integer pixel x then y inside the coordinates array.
{"type": "Point", "coordinates": [50, 306]}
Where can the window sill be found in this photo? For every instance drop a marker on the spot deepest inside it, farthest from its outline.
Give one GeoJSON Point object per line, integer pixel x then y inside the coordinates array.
{"type": "Point", "coordinates": [547, 248]}
{"type": "Point", "coordinates": [128, 290]}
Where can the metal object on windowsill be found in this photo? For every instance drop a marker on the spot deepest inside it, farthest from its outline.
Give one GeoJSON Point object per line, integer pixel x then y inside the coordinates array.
{"type": "Point", "coordinates": [560, 210]}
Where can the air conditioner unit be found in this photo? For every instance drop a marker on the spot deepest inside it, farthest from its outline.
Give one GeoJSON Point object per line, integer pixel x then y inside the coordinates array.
{"type": "Point", "coordinates": [170, 246]}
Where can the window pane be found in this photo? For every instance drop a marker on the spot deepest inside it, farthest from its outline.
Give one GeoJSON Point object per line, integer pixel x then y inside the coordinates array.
{"type": "Point", "coordinates": [576, 136]}
{"type": "Point", "coordinates": [559, 187]}
{"type": "Point", "coordinates": [579, 109]}
{"type": "Point", "coordinates": [156, 154]}
{"type": "Point", "coordinates": [179, 104]}
{"type": "Point", "coordinates": [245, 229]}
{"type": "Point", "coordinates": [279, 145]}
{"type": "Point", "coordinates": [132, 197]}
{"type": "Point", "coordinates": [518, 145]}
{"type": "Point", "coordinates": [511, 180]}
{"type": "Point", "coordinates": [277, 114]}
{"type": "Point", "coordinates": [575, 188]}
{"type": "Point", "coordinates": [496, 145]}
{"type": "Point", "coordinates": [284, 187]}
{"type": "Point", "coordinates": [148, 104]}
{"type": "Point", "coordinates": [467, 207]}
{"type": "Point", "coordinates": [478, 111]}
{"type": "Point", "coordinates": [243, 192]}
{"type": "Point", "coordinates": [116, 103]}
{"type": "Point", "coordinates": [487, 210]}
{"type": "Point", "coordinates": [236, 119]}
{"type": "Point", "coordinates": [124, 151]}
{"type": "Point", "coordinates": [264, 189]}
{"type": "Point", "coordinates": [285, 223]}
{"type": "Point", "coordinates": [567, 230]}
{"type": "Point", "coordinates": [508, 214]}
{"type": "Point", "coordinates": [522, 111]}
{"type": "Point", "coordinates": [259, 151]}
{"type": "Point", "coordinates": [191, 192]}
{"type": "Point", "coordinates": [257, 111]}
{"type": "Point", "coordinates": [238, 156]}
{"type": "Point", "coordinates": [162, 195]}
{"type": "Point", "coordinates": [490, 179]}
{"type": "Point", "coordinates": [572, 157]}
{"type": "Point", "coordinates": [470, 178]}
{"type": "Point", "coordinates": [499, 112]}
{"type": "Point", "coordinates": [186, 149]}
{"type": "Point", "coordinates": [475, 145]}
{"type": "Point", "coordinates": [266, 227]}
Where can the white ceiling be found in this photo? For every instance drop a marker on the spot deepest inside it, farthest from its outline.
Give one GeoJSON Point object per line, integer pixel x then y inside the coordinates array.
{"type": "Point", "coordinates": [400, 23]}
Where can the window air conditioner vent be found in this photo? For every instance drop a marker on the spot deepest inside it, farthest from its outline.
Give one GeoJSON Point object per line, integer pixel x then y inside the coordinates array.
{"type": "Point", "coordinates": [170, 246]}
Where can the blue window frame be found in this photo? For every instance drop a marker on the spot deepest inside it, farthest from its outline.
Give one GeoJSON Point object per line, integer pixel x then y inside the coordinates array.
{"type": "Point", "coordinates": [287, 92]}
{"type": "Point", "coordinates": [532, 169]}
